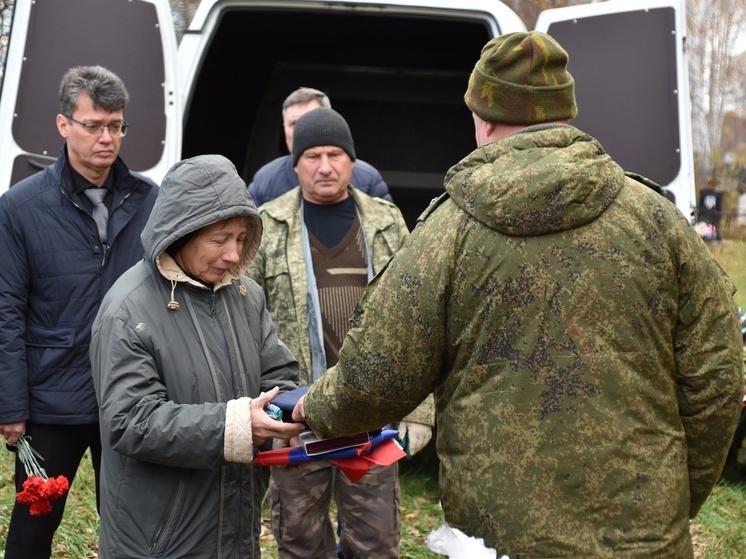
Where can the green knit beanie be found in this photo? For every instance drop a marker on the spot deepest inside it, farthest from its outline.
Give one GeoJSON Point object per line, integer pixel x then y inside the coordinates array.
{"type": "Point", "coordinates": [522, 78]}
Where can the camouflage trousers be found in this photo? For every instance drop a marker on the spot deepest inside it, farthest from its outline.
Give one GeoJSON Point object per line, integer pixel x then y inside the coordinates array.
{"type": "Point", "coordinates": [368, 511]}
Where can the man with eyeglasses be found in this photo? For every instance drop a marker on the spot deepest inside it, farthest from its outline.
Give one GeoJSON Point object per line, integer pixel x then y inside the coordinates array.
{"type": "Point", "coordinates": [66, 234]}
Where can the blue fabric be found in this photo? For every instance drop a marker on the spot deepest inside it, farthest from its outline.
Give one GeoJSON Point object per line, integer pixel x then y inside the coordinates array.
{"type": "Point", "coordinates": [55, 273]}
{"type": "Point", "coordinates": [278, 177]}
{"type": "Point", "coordinates": [286, 401]}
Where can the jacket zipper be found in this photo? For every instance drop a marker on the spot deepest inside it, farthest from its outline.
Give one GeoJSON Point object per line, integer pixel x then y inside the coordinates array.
{"type": "Point", "coordinates": [239, 500]}
{"type": "Point", "coordinates": [239, 467]}
{"type": "Point", "coordinates": [164, 530]}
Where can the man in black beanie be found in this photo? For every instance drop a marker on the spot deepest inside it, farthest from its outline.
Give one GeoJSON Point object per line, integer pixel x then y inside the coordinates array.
{"type": "Point", "coordinates": [322, 127]}
{"type": "Point", "coordinates": [323, 242]}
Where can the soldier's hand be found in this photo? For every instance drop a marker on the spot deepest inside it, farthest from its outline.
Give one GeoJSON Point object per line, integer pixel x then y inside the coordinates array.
{"type": "Point", "coordinates": [299, 411]}
{"type": "Point", "coordinates": [419, 435]}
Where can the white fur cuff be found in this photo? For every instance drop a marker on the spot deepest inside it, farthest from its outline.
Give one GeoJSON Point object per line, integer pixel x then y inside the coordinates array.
{"type": "Point", "coordinates": [238, 443]}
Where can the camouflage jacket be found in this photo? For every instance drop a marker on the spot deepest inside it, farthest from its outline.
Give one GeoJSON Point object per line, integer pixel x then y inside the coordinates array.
{"type": "Point", "coordinates": [582, 345]}
{"type": "Point", "coordinates": [280, 268]}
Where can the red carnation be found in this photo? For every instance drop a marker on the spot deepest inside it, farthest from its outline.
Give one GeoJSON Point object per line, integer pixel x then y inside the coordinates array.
{"type": "Point", "coordinates": [38, 489]}
{"type": "Point", "coordinates": [40, 508]}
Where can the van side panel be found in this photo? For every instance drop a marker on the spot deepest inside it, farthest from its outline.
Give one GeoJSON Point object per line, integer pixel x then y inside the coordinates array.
{"type": "Point", "coordinates": [628, 97]}
{"type": "Point", "coordinates": [121, 35]}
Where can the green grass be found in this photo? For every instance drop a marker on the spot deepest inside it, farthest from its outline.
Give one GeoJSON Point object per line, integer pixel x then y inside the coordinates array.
{"type": "Point", "coordinates": [77, 536]}
{"type": "Point", "coordinates": [718, 530]}
{"type": "Point", "coordinates": [731, 255]}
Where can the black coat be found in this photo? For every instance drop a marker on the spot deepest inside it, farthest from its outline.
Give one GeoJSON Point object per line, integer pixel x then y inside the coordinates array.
{"type": "Point", "coordinates": [54, 275]}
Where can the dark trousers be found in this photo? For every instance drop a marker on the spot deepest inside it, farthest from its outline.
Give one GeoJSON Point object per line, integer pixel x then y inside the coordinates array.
{"type": "Point", "coordinates": [62, 447]}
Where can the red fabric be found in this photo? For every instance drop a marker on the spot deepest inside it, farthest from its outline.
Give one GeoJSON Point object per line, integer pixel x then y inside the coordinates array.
{"type": "Point", "coordinates": [385, 454]}
{"type": "Point", "coordinates": [354, 467]}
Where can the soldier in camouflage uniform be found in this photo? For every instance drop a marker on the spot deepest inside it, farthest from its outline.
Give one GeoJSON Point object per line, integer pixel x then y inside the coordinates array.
{"type": "Point", "coordinates": [582, 345]}
{"type": "Point", "coordinates": [323, 241]}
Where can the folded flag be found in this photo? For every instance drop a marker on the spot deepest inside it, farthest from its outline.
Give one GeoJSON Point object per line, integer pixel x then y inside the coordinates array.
{"type": "Point", "coordinates": [382, 450]}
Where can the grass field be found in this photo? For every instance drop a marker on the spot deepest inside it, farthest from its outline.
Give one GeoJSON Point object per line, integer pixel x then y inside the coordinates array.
{"type": "Point", "coordinates": [77, 536]}
{"type": "Point", "coordinates": [731, 255]}
{"type": "Point", "coordinates": [718, 530]}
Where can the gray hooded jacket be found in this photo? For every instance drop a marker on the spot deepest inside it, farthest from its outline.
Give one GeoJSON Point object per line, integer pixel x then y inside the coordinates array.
{"type": "Point", "coordinates": [175, 365]}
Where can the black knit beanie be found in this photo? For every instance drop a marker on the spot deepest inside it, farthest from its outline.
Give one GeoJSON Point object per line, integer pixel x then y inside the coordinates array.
{"type": "Point", "coordinates": [321, 127]}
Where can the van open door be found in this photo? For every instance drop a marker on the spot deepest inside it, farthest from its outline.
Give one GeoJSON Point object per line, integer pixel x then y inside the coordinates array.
{"type": "Point", "coordinates": [133, 38]}
{"type": "Point", "coordinates": [396, 70]}
{"type": "Point", "coordinates": [628, 59]}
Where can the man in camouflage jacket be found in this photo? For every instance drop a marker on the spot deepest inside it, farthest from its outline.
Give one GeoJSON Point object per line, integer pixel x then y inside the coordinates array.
{"type": "Point", "coordinates": [280, 268]}
{"type": "Point", "coordinates": [322, 242]}
{"type": "Point", "coordinates": [582, 345]}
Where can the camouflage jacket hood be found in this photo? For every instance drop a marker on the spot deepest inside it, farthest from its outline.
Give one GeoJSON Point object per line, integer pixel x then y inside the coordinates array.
{"type": "Point", "coordinates": [521, 185]}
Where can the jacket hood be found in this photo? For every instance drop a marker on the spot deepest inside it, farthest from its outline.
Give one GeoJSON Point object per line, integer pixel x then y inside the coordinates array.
{"type": "Point", "coordinates": [197, 192]}
{"type": "Point", "coordinates": [543, 179]}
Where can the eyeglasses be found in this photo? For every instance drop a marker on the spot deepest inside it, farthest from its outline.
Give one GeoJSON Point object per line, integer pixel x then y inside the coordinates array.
{"type": "Point", "coordinates": [118, 130]}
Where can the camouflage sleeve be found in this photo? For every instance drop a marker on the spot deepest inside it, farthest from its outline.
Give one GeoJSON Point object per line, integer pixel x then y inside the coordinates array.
{"type": "Point", "coordinates": [392, 356]}
{"type": "Point", "coordinates": [424, 413]}
{"type": "Point", "coordinates": [709, 364]}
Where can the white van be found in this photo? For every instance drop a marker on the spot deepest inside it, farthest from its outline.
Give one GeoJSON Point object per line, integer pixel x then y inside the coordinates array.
{"type": "Point", "coordinates": [397, 71]}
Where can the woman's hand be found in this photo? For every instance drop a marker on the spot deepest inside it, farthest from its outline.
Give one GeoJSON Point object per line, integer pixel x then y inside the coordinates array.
{"type": "Point", "coordinates": [263, 427]}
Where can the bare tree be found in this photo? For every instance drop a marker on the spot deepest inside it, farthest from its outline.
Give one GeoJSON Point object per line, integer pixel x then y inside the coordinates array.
{"type": "Point", "coordinates": [6, 16]}
{"type": "Point", "coordinates": [714, 70]}
{"type": "Point", "coordinates": [182, 12]}
{"type": "Point", "coordinates": [529, 10]}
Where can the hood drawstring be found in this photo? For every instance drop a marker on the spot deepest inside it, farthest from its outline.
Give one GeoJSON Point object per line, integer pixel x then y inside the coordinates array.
{"type": "Point", "coordinates": [173, 304]}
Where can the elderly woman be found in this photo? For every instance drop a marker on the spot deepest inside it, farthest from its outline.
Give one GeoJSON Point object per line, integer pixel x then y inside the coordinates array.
{"type": "Point", "coordinates": [185, 357]}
